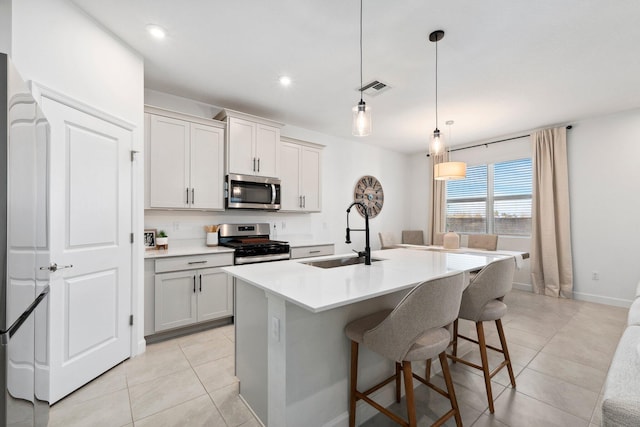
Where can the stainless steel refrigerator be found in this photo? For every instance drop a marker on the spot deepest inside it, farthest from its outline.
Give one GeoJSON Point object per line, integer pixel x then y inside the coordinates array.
{"type": "Point", "coordinates": [24, 287]}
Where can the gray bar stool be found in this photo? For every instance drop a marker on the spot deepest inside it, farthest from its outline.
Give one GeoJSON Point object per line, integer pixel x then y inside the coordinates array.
{"type": "Point", "coordinates": [482, 302]}
{"type": "Point", "coordinates": [416, 329]}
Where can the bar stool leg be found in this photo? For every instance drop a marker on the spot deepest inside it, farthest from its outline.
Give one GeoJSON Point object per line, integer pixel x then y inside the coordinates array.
{"type": "Point", "coordinates": [427, 370]}
{"type": "Point", "coordinates": [485, 364]}
{"type": "Point", "coordinates": [503, 343]}
{"type": "Point", "coordinates": [450, 390]}
{"type": "Point", "coordinates": [455, 339]}
{"type": "Point", "coordinates": [398, 385]}
{"type": "Point", "coordinates": [408, 386]}
{"type": "Point", "coordinates": [353, 384]}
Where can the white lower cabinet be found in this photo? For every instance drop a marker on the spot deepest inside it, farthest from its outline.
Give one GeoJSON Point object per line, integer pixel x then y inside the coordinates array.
{"type": "Point", "coordinates": [184, 290]}
{"type": "Point", "coordinates": [186, 297]}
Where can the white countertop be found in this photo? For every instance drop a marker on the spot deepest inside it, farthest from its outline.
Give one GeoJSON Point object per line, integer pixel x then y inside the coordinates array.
{"type": "Point", "coordinates": [202, 250]}
{"type": "Point", "coordinates": [195, 250]}
{"type": "Point", "coordinates": [318, 289]}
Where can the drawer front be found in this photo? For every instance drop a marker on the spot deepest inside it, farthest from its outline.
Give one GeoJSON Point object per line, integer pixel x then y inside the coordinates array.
{"type": "Point", "coordinates": [193, 262]}
{"type": "Point", "coordinates": [311, 251]}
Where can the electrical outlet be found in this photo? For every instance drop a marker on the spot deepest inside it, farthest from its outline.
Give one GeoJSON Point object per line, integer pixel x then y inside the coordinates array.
{"type": "Point", "coordinates": [176, 226]}
{"type": "Point", "coordinates": [275, 328]}
{"type": "Point", "coordinates": [595, 276]}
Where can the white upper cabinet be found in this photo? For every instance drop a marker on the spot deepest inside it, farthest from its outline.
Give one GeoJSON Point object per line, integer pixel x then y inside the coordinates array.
{"type": "Point", "coordinates": [184, 161]}
{"type": "Point", "coordinates": [300, 173]}
{"type": "Point", "coordinates": [252, 144]}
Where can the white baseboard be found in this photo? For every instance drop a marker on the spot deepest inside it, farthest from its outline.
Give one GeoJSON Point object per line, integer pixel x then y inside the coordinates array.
{"type": "Point", "coordinates": [581, 296]}
{"type": "Point", "coordinates": [617, 302]}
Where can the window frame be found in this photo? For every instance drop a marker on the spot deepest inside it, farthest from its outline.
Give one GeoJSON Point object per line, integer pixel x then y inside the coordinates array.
{"type": "Point", "coordinates": [490, 199]}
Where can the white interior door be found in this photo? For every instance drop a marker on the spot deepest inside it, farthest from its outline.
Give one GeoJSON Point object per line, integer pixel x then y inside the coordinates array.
{"type": "Point", "coordinates": [90, 225]}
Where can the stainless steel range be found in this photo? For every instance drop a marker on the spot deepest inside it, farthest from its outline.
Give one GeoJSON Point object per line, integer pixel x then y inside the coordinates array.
{"type": "Point", "coordinates": [252, 243]}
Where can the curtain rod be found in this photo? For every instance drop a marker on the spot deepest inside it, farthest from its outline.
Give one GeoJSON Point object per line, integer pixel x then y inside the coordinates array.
{"type": "Point", "coordinates": [493, 142]}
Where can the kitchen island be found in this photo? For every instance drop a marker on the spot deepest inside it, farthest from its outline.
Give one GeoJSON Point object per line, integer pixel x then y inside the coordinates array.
{"type": "Point", "coordinates": [292, 356]}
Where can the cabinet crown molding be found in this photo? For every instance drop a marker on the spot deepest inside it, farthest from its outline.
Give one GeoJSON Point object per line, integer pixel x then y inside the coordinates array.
{"type": "Point", "coordinates": [225, 113]}
{"type": "Point", "coordinates": [301, 142]}
{"type": "Point", "coordinates": [183, 116]}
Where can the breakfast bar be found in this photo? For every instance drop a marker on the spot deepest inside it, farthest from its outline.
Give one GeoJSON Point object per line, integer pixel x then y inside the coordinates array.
{"type": "Point", "coordinates": [291, 352]}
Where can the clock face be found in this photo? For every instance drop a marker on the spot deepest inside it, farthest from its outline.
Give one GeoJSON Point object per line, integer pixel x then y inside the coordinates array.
{"type": "Point", "coordinates": [368, 190]}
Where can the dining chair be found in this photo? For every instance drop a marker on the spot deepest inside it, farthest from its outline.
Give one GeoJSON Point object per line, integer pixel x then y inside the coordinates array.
{"type": "Point", "coordinates": [482, 302]}
{"type": "Point", "coordinates": [488, 242]}
{"type": "Point", "coordinates": [387, 240]}
{"type": "Point", "coordinates": [415, 330]}
{"type": "Point", "coordinates": [413, 237]}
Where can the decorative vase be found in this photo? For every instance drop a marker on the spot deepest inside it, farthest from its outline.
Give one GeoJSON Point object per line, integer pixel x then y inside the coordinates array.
{"type": "Point", "coordinates": [451, 240]}
{"type": "Point", "coordinates": [162, 242]}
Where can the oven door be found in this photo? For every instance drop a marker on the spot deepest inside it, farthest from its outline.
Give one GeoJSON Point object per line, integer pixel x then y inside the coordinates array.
{"type": "Point", "coordinates": [252, 192]}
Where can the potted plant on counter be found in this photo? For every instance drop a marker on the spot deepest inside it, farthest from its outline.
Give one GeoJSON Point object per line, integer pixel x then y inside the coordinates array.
{"type": "Point", "coordinates": [162, 240]}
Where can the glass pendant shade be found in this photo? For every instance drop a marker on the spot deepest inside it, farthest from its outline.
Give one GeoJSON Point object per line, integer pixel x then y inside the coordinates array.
{"type": "Point", "coordinates": [361, 119]}
{"type": "Point", "coordinates": [436, 145]}
{"type": "Point", "coordinates": [449, 171]}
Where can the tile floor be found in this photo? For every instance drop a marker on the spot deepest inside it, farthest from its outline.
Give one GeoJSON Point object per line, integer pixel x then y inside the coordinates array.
{"type": "Point", "coordinates": [560, 349]}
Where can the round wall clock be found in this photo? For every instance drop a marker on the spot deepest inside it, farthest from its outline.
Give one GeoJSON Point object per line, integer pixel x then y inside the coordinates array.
{"type": "Point", "coordinates": [368, 190]}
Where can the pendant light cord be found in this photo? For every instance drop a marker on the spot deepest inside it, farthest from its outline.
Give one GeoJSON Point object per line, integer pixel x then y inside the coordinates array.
{"type": "Point", "coordinates": [360, 50]}
{"type": "Point", "coordinates": [436, 84]}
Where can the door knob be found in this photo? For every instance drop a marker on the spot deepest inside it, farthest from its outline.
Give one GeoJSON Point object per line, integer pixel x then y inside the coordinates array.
{"type": "Point", "coordinates": [55, 267]}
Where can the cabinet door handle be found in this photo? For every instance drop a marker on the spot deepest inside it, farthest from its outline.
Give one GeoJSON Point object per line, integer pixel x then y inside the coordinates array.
{"type": "Point", "coordinates": [194, 283]}
{"type": "Point", "coordinates": [314, 252]}
{"type": "Point", "coordinates": [258, 164]}
{"type": "Point", "coordinates": [193, 195]}
{"type": "Point", "coordinates": [254, 164]}
{"type": "Point", "coordinates": [304, 201]}
{"type": "Point", "coordinates": [299, 201]}
{"type": "Point", "coordinates": [198, 262]}
{"type": "Point", "coordinates": [201, 283]}
{"type": "Point", "coordinates": [187, 195]}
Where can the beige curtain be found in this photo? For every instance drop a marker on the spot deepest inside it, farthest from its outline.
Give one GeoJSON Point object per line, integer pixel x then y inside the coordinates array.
{"type": "Point", "coordinates": [551, 261]}
{"type": "Point", "coordinates": [436, 204]}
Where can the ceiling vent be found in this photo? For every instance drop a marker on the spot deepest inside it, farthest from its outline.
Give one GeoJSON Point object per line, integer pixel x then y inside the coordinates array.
{"type": "Point", "coordinates": [374, 88]}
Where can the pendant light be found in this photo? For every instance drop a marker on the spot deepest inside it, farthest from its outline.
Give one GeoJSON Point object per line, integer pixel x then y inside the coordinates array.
{"type": "Point", "coordinates": [361, 113]}
{"type": "Point", "coordinates": [445, 170]}
{"type": "Point", "coordinates": [436, 145]}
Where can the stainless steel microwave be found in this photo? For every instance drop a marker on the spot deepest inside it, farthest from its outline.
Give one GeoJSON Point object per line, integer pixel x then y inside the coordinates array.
{"type": "Point", "coordinates": [252, 192]}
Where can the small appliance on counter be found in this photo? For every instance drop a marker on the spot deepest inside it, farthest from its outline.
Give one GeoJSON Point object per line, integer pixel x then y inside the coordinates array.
{"type": "Point", "coordinates": [251, 243]}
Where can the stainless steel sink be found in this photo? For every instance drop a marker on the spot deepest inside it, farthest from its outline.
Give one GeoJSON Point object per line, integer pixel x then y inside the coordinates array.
{"type": "Point", "coordinates": [338, 262]}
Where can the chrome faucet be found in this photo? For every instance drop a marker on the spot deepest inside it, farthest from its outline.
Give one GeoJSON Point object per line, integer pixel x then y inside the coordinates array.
{"type": "Point", "coordinates": [367, 248]}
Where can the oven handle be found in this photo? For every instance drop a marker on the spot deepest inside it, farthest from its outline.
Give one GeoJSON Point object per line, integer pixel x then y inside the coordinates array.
{"type": "Point", "coordinates": [254, 259]}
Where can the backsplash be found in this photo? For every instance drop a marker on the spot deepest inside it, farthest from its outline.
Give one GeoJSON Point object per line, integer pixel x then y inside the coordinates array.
{"type": "Point", "coordinates": [186, 228]}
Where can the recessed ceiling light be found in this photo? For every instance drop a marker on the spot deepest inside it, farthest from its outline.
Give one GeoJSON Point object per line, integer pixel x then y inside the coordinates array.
{"type": "Point", "coordinates": [285, 81]}
{"type": "Point", "coordinates": [156, 31]}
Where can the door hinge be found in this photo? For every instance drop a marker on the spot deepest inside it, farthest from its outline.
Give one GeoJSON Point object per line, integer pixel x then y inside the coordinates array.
{"type": "Point", "coordinates": [131, 238]}
{"type": "Point", "coordinates": [133, 154]}
{"type": "Point", "coordinates": [131, 320]}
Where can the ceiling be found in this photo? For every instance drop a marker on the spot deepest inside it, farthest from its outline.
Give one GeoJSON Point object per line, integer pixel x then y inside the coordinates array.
{"type": "Point", "coordinates": [505, 66]}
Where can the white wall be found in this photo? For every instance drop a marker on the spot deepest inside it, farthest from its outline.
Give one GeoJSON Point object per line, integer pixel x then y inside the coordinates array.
{"type": "Point", "coordinates": [604, 185]}
{"type": "Point", "coordinates": [58, 46]}
{"type": "Point", "coordinates": [343, 162]}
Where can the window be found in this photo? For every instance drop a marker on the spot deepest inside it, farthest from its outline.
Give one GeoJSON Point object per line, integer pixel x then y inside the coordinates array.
{"type": "Point", "coordinates": [494, 198]}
